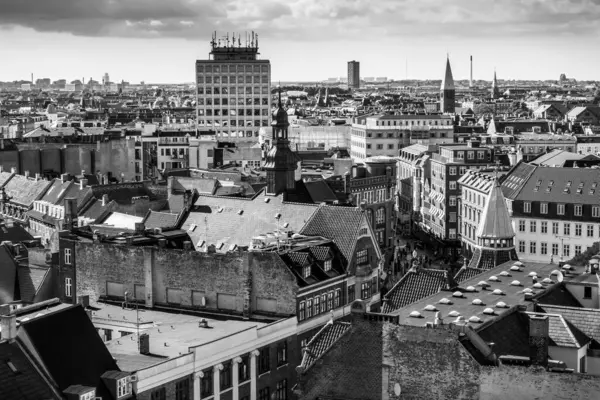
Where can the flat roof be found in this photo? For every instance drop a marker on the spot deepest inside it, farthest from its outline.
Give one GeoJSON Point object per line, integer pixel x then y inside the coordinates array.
{"type": "Point", "coordinates": [467, 305]}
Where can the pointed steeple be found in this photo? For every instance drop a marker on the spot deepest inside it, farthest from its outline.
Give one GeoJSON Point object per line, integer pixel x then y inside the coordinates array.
{"type": "Point", "coordinates": [448, 81]}
{"type": "Point", "coordinates": [495, 89]}
{"type": "Point", "coordinates": [495, 221]}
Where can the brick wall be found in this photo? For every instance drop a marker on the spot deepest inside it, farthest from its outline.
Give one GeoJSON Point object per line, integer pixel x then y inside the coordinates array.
{"type": "Point", "coordinates": [186, 271]}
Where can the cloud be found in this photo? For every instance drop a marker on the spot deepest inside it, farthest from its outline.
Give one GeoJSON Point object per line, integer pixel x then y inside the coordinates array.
{"type": "Point", "coordinates": [311, 20]}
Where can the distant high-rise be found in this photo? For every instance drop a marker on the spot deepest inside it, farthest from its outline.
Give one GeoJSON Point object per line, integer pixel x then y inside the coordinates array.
{"type": "Point", "coordinates": [447, 91]}
{"type": "Point", "coordinates": [471, 74]}
{"type": "Point", "coordinates": [354, 74]}
{"type": "Point", "coordinates": [105, 79]}
{"type": "Point", "coordinates": [233, 89]}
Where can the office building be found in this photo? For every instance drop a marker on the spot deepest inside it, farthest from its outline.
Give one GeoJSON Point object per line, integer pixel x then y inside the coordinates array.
{"type": "Point", "coordinates": [354, 74]}
{"type": "Point", "coordinates": [233, 90]}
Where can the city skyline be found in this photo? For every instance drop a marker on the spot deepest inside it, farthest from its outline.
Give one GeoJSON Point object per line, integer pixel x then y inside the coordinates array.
{"type": "Point", "coordinates": [305, 40]}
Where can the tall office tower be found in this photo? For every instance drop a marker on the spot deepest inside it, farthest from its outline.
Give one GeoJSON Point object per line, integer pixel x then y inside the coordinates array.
{"type": "Point", "coordinates": [447, 92]}
{"type": "Point", "coordinates": [233, 89]}
{"type": "Point", "coordinates": [354, 74]}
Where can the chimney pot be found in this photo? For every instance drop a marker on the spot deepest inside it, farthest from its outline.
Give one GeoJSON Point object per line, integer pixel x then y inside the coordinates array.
{"type": "Point", "coordinates": [140, 227]}
{"type": "Point", "coordinates": [104, 200]}
{"type": "Point", "coordinates": [9, 326]}
{"type": "Point", "coordinates": [64, 178]}
{"type": "Point", "coordinates": [145, 343]}
{"type": "Point", "coordinates": [26, 174]}
{"type": "Point", "coordinates": [82, 184]}
{"type": "Point", "coordinates": [37, 176]}
{"type": "Point", "coordinates": [13, 170]}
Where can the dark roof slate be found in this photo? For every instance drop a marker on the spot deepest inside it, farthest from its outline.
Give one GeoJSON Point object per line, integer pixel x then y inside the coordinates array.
{"type": "Point", "coordinates": [25, 190]}
{"type": "Point", "coordinates": [323, 341]}
{"type": "Point", "coordinates": [466, 273]}
{"type": "Point", "coordinates": [414, 286]}
{"type": "Point", "coordinates": [156, 219]}
{"type": "Point", "coordinates": [587, 320]}
{"type": "Point", "coordinates": [30, 280]}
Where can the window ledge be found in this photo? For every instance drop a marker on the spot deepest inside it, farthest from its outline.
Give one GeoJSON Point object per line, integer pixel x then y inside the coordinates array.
{"type": "Point", "coordinates": [227, 390]}
{"type": "Point", "coordinates": [282, 365]}
{"type": "Point", "coordinates": [264, 373]}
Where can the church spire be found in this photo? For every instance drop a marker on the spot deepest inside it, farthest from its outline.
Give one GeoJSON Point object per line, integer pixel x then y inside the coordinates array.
{"type": "Point", "coordinates": [495, 222]}
{"type": "Point", "coordinates": [447, 92]}
{"type": "Point", "coordinates": [495, 89]}
{"type": "Point", "coordinates": [448, 81]}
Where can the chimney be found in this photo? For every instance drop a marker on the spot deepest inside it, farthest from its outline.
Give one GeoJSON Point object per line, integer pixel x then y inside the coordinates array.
{"type": "Point", "coordinates": [82, 173]}
{"type": "Point", "coordinates": [26, 174]}
{"type": "Point", "coordinates": [162, 243]}
{"type": "Point", "coordinates": [70, 214]}
{"type": "Point", "coordinates": [37, 176]}
{"type": "Point", "coordinates": [145, 344]}
{"type": "Point", "coordinates": [538, 340]}
{"type": "Point", "coordinates": [13, 170]}
{"type": "Point", "coordinates": [82, 183]}
{"type": "Point", "coordinates": [187, 245]}
{"type": "Point", "coordinates": [64, 178]}
{"type": "Point", "coordinates": [8, 323]}
{"type": "Point", "coordinates": [140, 227]}
{"type": "Point", "coordinates": [104, 200]}
{"type": "Point", "coordinates": [84, 301]}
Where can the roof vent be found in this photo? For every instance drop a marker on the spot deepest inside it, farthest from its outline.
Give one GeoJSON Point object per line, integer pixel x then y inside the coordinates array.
{"type": "Point", "coordinates": [504, 273]}
{"type": "Point", "coordinates": [489, 311]}
{"type": "Point", "coordinates": [483, 284]}
{"type": "Point", "coordinates": [477, 302]}
{"type": "Point", "coordinates": [498, 292]}
{"type": "Point", "coordinates": [518, 263]}
{"type": "Point", "coordinates": [527, 290]}
{"type": "Point", "coordinates": [493, 278]}
{"type": "Point", "coordinates": [515, 268]}
{"type": "Point", "coordinates": [445, 301]}
{"type": "Point", "coordinates": [453, 313]}
{"type": "Point", "coordinates": [219, 210]}
{"type": "Point", "coordinates": [515, 283]}
{"type": "Point", "coordinates": [547, 280]}
{"type": "Point", "coordinates": [567, 267]}
{"type": "Point", "coordinates": [501, 304]}
{"type": "Point", "coordinates": [533, 273]}
{"type": "Point", "coordinates": [430, 307]}
{"type": "Point", "coordinates": [267, 199]}
{"type": "Point", "coordinates": [277, 216]}
{"type": "Point", "coordinates": [457, 294]}
{"type": "Point", "coordinates": [286, 225]}
{"type": "Point", "coordinates": [415, 314]}
{"type": "Point", "coordinates": [475, 319]}
{"type": "Point", "coordinates": [240, 212]}
{"type": "Point", "coordinates": [470, 289]}
{"type": "Point", "coordinates": [538, 285]}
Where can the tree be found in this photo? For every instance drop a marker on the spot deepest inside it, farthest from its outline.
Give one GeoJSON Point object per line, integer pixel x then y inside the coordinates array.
{"type": "Point", "coordinates": [484, 108]}
{"type": "Point", "coordinates": [584, 258]}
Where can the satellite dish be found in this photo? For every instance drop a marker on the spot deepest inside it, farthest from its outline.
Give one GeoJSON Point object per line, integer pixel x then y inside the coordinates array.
{"type": "Point", "coordinates": [559, 276]}
{"type": "Point", "coordinates": [397, 389]}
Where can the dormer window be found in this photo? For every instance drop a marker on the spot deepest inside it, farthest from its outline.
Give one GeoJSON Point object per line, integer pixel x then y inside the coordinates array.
{"type": "Point", "coordinates": [88, 396]}
{"type": "Point", "coordinates": [123, 387]}
{"type": "Point", "coordinates": [306, 271]}
{"type": "Point", "coordinates": [327, 265]}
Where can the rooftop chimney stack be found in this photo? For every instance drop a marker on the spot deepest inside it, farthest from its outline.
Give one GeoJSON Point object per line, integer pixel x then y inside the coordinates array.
{"type": "Point", "coordinates": [104, 200]}
{"type": "Point", "coordinates": [538, 340]}
{"type": "Point", "coordinates": [144, 344]}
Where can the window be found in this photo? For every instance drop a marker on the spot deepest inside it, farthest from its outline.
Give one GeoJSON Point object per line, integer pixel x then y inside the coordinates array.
{"type": "Point", "coordinates": [68, 286]}
{"type": "Point", "coordinates": [578, 210]}
{"type": "Point", "coordinates": [590, 230]}
{"type": "Point", "coordinates": [521, 246]}
{"type": "Point", "coordinates": [263, 394]}
{"type": "Point", "coordinates": [365, 290]}
{"type": "Point", "coordinates": [327, 265]}
{"type": "Point", "coordinates": [309, 308]}
{"type": "Point", "coordinates": [452, 233]}
{"type": "Point", "coordinates": [362, 257]}
{"type": "Point", "coordinates": [566, 250]}
{"type": "Point", "coordinates": [566, 229]}
{"type": "Point", "coordinates": [452, 202]}
{"type": "Point", "coordinates": [544, 227]}
{"type": "Point", "coordinates": [452, 185]}
{"type": "Point", "coordinates": [159, 394]}
{"type": "Point", "coordinates": [554, 249]}
{"type": "Point", "coordinates": [577, 250]}
{"type": "Point", "coordinates": [555, 228]}
{"type": "Point", "coordinates": [182, 389]}
{"type": "Point", "coordinates": [532, 247]}
{"type": "Point", "coordinates": [470, 155]}
{"type": "Point", "coordinates": [123, 387]}
{"type": "Point", "coordinates": [596, 211]}
{"type": "Point", "coordinates": [225, 377]}
{"type": "Point", "coordinates": [301, 311]}
{"type": "Point", "coordinates": [243, 369]}
{"type": "Point", "coordinates": [521, 225]}
{"type": "Point", "coordinates": [351, 293]}
{"type": "Point", "coordinates": [337, 299]}
{"type": "Point", "coordinates": [582, 369]}
{"type": "Point", "coordinates": [323, 302]}
{"type": "Point", "coordinates": [330, 300]}
{"type": "Point", "coordinates": [543, 248]}
{"type": "Point", "coordinates": [452, 171]}
{"type": "Point", "coordinates": [282, 354]}
{"type": "Point", "coordinates": [544, 208]}
{"type": "Point", "coordinates": [316, 308]}
{"type": "Point", "coordinates": [532, 226]}
{"type": "Point", "coordinates": [587, 292]}
{"type": "Point", "coordinates": [206, 384]}
{"type": "Point", "coordinates": [578, 229]}
{"type": "Point", "coordinates": [281, 393]}
{"type": "Point", "coordinates": [527, 207]}
{"type": "Point", "coordinates": [68, 256]}
{"type": "Point", "coordinates": [306, 271]}
{"type": "Point", "coordinates": [88, 396]}
{"type": "Point", "coordinates": [560, 209]}
{"type": "Point", "coordinates": [264, 361]}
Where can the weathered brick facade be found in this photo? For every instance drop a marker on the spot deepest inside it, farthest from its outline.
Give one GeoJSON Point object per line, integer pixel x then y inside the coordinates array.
{"type": "Point", "coordinates": [151, 273]}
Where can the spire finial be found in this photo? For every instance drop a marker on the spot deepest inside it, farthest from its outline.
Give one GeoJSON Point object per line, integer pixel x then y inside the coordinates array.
{"type": "Point", "coordinates": [279, 89]}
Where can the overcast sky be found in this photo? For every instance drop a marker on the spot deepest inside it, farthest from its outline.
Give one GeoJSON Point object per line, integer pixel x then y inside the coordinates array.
{"type": "Point", "coordinates": [158, 40]}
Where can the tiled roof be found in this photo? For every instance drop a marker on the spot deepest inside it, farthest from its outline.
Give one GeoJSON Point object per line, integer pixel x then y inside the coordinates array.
{"type": "Point", "coordinates": [563, 333]}
{"type": "Point", "coordinates": [8, 271]}
{"type": "Point", "coordinates": [587, 320]}
{"type": "Point", "coordinates": [496, 222]}
{"type": "Point", "coordinates": [24, 382]}
{"type": "Point", "coordinates": [556, 157]}
{"type": "Point", "coordinates": [466, 273]}
{"type": "Point", "coordinates": [320, 253]}
{"type": "Point", "coordinates": [15, 234]}
{"type": "Point", "coordinates": [414, 286]}
{"type": "Point", "coordinates": [162, 220]}
{"type": "Point", "coordinates": [515, 179]}
{"type": "Point", "coordinates": [509, 333]}
{"type": "Point", "coordinates": [559, 295]}
{"type": "Point", "coordinates": [320, 191]}
{"type": "Point", "coordinates": [30, 280]}
{"type": "Point", "coordinates": [298, 257]}
{"type": "Point", "coordinates": [24, 190]}
{"type": "Point", "coordinates": [94, 209]}
{"type": "Point", "coordinates": [56, 191]}
{"type": "Point", "coordinates": [4, 177]}
{"type": "Point", "coordinates": [235, 220]}
{"type": "Point", "coordinates": [340, 224]}
{"type": "Point", "coordinates": [323, 341]}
